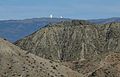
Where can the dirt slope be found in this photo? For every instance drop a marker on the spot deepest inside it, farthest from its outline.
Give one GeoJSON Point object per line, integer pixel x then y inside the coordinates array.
{"type": "Point", "coordinates": [14, 62]}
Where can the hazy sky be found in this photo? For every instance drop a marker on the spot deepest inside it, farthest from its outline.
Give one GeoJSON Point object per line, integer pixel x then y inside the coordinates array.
{"type": "Point", "coordinates": [80, 9]}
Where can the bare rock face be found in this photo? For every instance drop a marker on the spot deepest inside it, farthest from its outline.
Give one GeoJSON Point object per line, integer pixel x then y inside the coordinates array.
{"type": "Point", "coordinates": [14, 62]}
{"type": "Point", "coordinates": [80, 46]}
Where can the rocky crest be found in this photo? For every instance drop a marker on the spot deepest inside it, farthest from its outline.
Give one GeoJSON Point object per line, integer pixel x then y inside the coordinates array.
{"type": "Point", "coordinates": [78, 44]}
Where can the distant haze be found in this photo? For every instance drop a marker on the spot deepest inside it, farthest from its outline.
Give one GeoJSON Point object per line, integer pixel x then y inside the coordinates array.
{"type": "Point", "coordinates": [80, 9]}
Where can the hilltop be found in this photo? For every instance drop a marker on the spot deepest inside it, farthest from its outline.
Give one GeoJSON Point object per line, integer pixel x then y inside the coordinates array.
{"type": "Point", "coordinates": [80, 46]}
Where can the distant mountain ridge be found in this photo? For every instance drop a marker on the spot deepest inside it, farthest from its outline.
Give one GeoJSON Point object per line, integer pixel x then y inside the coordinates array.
{"type": "Point", "coordinates": [105, 21]}
{"type": "Point", "coordinates": [16, 29]}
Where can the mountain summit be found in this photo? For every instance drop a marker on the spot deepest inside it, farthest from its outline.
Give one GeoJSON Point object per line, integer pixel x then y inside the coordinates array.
{"type": "Point", "coordinates": [77, 44]}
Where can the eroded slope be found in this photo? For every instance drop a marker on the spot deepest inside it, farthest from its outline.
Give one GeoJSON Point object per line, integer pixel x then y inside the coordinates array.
{"type": "Point", "coordinates": [14, 62]}
{"type": "Point", "coordinates": [78, 45]}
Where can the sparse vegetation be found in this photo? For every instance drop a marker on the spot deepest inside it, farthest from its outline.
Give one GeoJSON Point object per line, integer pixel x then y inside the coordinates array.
{"type": "Point", "coordinates": [74, 41]}
{"type": "Point", "coordinates": [26, 65]}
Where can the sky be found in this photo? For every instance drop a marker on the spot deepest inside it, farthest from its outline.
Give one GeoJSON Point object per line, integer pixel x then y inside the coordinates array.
{"type": "Point", "coordinates": [75, 9]}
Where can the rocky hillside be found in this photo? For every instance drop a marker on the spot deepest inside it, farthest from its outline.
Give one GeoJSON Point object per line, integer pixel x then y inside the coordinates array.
{"type": "Point", "coordinates": [110, 67]}
{"type": "Point", "coordinates": [77, 44]}
{"type": "Point", "coordinates": [14, 62]}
